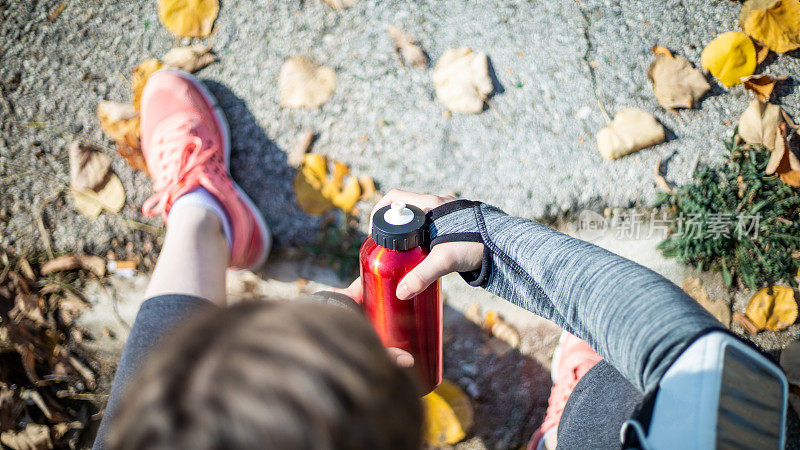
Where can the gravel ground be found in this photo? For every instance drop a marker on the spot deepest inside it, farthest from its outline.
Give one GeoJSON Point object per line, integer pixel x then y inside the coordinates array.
{"type": "Point", "coordinates": [552, 62]}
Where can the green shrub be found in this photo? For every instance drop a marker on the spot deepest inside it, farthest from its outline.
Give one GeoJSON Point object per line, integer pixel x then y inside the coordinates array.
{"type": "Point", "coordinates": [740, 191]}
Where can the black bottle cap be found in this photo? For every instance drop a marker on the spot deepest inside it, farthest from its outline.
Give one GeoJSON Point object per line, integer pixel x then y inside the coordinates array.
{"type": "Point", "coordinates": [399, 227]}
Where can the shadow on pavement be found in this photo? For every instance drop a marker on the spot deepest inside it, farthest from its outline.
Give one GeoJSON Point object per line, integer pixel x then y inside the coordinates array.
{"type": "Point", "coordinates": [259, 166]}
{"type": "Point", "coordinates": [509, 390]}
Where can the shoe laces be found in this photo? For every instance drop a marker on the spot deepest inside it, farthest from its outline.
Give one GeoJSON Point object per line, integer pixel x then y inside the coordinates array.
{"type": "Point", "coordinates": [180, 152]}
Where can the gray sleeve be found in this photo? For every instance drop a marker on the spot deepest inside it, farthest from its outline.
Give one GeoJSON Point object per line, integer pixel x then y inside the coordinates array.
{"type": "Point", "coordinates": [157, 317]}
{"type": "Point", "coordinates": [637, 320]}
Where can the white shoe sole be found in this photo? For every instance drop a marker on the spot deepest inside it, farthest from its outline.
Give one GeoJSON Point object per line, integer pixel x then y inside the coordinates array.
{"type": "Point", "coordinates": [226, 141]}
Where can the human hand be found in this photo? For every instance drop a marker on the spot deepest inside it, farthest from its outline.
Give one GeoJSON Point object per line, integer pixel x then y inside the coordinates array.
{"type": "Point", "coordinates": [355, 291]}
{"type": "Point", "coordinates": [443, 259]}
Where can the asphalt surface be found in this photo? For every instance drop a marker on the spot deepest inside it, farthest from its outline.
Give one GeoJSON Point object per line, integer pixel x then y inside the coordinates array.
{"type": "Point", "coordinates": [531, 153]}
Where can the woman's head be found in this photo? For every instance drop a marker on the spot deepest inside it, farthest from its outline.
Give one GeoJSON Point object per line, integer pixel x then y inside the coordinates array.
{"type": "Point", "coordinates": [270, 375]}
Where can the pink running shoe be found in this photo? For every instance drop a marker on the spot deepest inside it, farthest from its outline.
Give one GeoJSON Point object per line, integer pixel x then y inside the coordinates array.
{"type": "Point", "coordinates": [186, 143]}
{"type": "Point", "coordinates": [571, 360]}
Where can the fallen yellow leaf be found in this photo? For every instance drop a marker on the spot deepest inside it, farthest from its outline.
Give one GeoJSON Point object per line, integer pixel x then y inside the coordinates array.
{"type": "Point", "coordinates": [367, 187]}
{"type": "Point", "coordinates": [317, 192]}
{"type": "Point", "coordinates": [461, 79]}
{"type": "Point", "coordinates": [188, 18]}
{"type": "Point", "coordinates": [448, 415]}
{"type": "Point", "coordinates": [775, 23]}
{"type": "Point", "coordinates": [676, 83]}
{"type": "Point", "coordinates": [729, 57]}
{"type": "Point", "coordinates": [346, 198]}
{"type": "Point", "coordinates": [631, 130]}
{"type": "Point", "coordinates": [772, 308]}
{"type": "Point", "coordinates": [140, 75]}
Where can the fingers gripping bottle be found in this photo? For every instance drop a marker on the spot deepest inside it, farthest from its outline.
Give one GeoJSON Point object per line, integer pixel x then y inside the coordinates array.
{"type": "Point", "coordinates": [397, 244]}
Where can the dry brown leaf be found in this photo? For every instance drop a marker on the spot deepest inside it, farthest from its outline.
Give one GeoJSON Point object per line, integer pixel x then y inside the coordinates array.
{"type": "Point", "coordinates": [792, 178]}
{"type": "Point", "coordinates": [30, 306]}
{"type": "Point", "coordinates": [473, 314]}
{"type": "Point", "coordinates": [94, 187]}
{"type": "Point", "coordinates": [189, 59]}
{"type": "Point", "coordinates": [729, 57]}
{"type": "Point", "coordinates": [461, 79]}
{"type": "Point", "coordinates": [26, 269]}
{"type": "Point", "coordinates": [772, 308]}
{"type": "Point", "coordinates": [302, 145]}
{"type": "Point", "coordinates": [676, 83]}
{"type": "Point", "coordinates": [56, 12]}
{"type": "Point", "coordinates": [495, 325]}
{"type": "Point", "coordinates": [745, 323]}
{"type": "Point", "coordinates": [304, 84]}
{"type": "Point", "coordinates": [718, 308]}
{"type": "Point", "coordinates": [631, 130]}
{"type": "Point", "coordinates": [779, 159]}
{"type": "Point", "coordinates": [661, 181]}
{"type": "Point", "coordinates": [408, 47]}
{"type": "Point", "coordinates": [317, 192]}
{"type": "Point", "coordinates": [340, 4]}
{"type": "Point", "coordinates": [69, 308]}
{"type": "Point", "coordinates": [506, 333]}
{"type": "Point", "coordinates": [761, 85]}
{"type": "Point", "coordinates": [92, 263]}
{"type": "Point", "coordinates": [790, 362]}
{"type": "Point", "coordinates": [775, 23]}
{"type": "Point", "coordinates": [762, 51]}
{"type": "Point", "coordinates": [188, 18]}
{"type": "Point", "coordinates": [120, 122]}
{"type": "Point", "coordinates": [139, 79]}
{"type": "Point", "coordinates": [88, 168]}
{"type": "Point", "coordinates": [85, 373]}
{"type": "Point", "coordinates": [130, 149]}
{"type": "Point", "coordinates": [448, 415]}
{"type": "Point", "coordinates": [33, 437]}
{"type": "Point", "coordinates": [759, 123]}
{"type": "Point", "coordinates": [110, 197]}
{"type": "Point", "coordinates": [115, 118]}
{"type": "Point", "coordinates": [489, 319]}
{"type": "Point", "coordinates": [660, 50]}
{"type": "Point", "coordinates": [782, 160]}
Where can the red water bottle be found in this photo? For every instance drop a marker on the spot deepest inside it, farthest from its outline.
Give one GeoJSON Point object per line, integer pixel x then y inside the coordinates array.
{"type": "Point", "coordinates": [397, 244]}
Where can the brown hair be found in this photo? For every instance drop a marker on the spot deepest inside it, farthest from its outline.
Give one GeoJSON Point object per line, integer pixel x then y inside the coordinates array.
{"type": "Point", "coordinates": [270, 375]}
